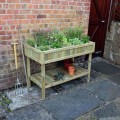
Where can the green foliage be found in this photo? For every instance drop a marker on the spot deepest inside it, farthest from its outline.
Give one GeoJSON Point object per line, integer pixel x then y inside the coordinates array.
{"type": "Point", "coordinates": [5, 101]}
{"type": "Point", "coordinates": [43, 48]}
{"type": "Point", "coordinates": [74, 41]}
{"type": "Point", "coordinates": [57, 39]}
{"type": "Point", "coordinates": [85, 38]}
{"type": "Point", "coordinates": [74, 32]}
{"type": "Point", "coordinates": [31, 42]}
{"type": "Point", "coordinates": [39, 38]}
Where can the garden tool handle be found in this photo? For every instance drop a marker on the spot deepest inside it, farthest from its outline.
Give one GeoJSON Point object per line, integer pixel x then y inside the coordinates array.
{"type": "Point", "coordinates": [15, 54]}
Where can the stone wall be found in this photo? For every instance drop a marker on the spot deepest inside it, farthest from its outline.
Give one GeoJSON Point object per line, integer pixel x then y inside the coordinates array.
{"type": "Point", "coordinates": [112, 44]}
{"type": "Point", "coordinates": [33, 15]}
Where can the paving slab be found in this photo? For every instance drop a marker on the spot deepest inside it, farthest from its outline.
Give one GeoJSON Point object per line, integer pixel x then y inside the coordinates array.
{"type": "Point", "coordinates": [31, 112]}
{"type": "Point", "coordinates": [71, 104]}
{"type": "Point", "coordinates": [105, 90]}
{"type": "Point", "coordinates": [2, 112]}
{"type": "Point", "coordinates": [115, 79]}
{"type": "Point", "coordinates": [108, 111]}
{"type": "Point", "coordinates": [105, 68]}
{"type": "Point", "coordinates": [28, 97]}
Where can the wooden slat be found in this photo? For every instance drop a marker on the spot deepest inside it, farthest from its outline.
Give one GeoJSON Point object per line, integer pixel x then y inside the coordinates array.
{"type": "Point", "coordinates": [67, 57]}
{"type": "Point", "coordinates": [36, 81]}
{"type": "Point", "coordinates": [44, 57]}
{"type": "Point", "coordinates": [68, 47]}
{"type": "Point", "coordinates": [80, 72]}
{"type": "Point", "coordinates": [49, 78]}
{"type": "Point", "coordinates": [38, 77]}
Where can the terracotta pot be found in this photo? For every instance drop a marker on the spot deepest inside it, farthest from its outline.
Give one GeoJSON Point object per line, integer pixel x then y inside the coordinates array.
{"type": "Point", "coordinates": [71, 70]}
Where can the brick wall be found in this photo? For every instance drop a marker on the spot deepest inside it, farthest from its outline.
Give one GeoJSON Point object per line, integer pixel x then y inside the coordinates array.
{"type": "Point", "coordinates": [32, 15]}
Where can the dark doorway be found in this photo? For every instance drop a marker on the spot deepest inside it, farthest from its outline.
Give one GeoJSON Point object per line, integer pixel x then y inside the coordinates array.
{"type": "Point", "coordinates": [98, 22]}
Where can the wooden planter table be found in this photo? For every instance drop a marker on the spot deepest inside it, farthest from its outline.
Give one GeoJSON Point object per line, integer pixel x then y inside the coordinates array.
{"type": "Point", "coordinates": [45, 78]}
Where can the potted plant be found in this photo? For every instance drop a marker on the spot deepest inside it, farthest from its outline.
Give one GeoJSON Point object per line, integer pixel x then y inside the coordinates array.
{"type": "Point", "coordinates": [71, 70]}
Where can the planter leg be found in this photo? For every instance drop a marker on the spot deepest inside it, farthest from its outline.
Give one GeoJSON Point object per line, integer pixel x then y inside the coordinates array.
{"type": "Point", "coordinates": [89, 67]}
{"type": "Point", "coordinates": [43, 89]}
{"type": "Point", "coordinates": [28, 73]}
{"type": "Point", "coordinates": [43, 81]}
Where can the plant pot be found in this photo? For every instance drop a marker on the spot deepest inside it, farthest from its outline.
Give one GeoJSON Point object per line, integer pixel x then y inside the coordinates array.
{"type": "Point", "coordinates": [71, 70]}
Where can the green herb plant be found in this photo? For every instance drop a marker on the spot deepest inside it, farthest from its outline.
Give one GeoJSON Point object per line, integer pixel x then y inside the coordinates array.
{"type": "Point", "coordinates": [57, 39]}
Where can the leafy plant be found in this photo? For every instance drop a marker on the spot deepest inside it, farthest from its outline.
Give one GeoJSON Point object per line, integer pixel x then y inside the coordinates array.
{"type": "Point", "coordinates": [5, 101]}
{"type": "Point", "coordinates": [74, 41]}
{"type": "Point", "coordinates": [74, 32]}
{"type": "Point", "coordinates": [57, 39]}
{"type": "Point", "coordinates": [31, 42]}
{"type": "Point", "coordinates": [39, 38]}
{"type": "Point", "coordinates": [85, 38]}
{"type": "Point", "coordinates": [43, 48]}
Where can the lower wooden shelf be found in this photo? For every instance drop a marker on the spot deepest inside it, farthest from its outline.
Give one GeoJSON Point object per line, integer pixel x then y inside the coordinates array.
{"type": "Point", "coordinates": [49, 77]}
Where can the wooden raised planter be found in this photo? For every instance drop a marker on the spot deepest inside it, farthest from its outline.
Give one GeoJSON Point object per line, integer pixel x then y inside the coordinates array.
{"type": "Point", "coordinates": [45, 79]}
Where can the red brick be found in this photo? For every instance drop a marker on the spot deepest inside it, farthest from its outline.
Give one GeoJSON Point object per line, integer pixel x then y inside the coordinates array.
{"type": "Point", "coordinates": [25, 1]}
{"type": "Point", "coordinates": [79, 12]}
{"type": "Point", "coordinates": [18, 6]}
{"type": "Point", "coordinates": [11, 6]}
{"type": "Point", "coordinates": [55, 11]}
{"type": "Point", "coordinates": [35, 6]}
{"type": "Point", "coordinates": [72, 3]}
{"type": "Point", "coordinates": [12, 1]}
{"type": "Point", "coordinates": [37, 1]}
{"type": "Point", "coordinates": [12, 27]}
{"type": "Point", "coordinates": [2, 11]}
{"type": "Point", "coordinates": [5, 6]}
{"type": "Point", "coordinates": [23, 21]}
{"type": "Point", "coordinates": [87, 4]}
{"type": "Point", "coordinates": [11, 32]}
{"type": "Point", "coordinates": [55, 2]}
{"type": "Point", "coordinates": [25, 11]}
{"type": "Point", "coordinates": [2, 1]}
{"type": "Point", "coordinates": [64, 2]}
{"type": "Point", "coordinates": [19, 16]}
{"type": "Point", "coordinates": [9, 11]}
{"type": "Point", "coordinates": [6, 27]}
{"type": "Point", "coordinates": [31, 17]}
{"type": "Point", "coordinates": [24, 6]}
{"type": "Point", "coordinates": [2, 32]}
{"type": "Point", "coordinates": [32, 21]}
{"type": "Point", "coordinates": [41, 6]}
{"type": "Point", "coordinates": [12, 22]}
{"type": "Point", "coordinates": [41, 16]}
{"type": "Point", "coordinates": [49, 11]}
{"type": "Point", "coordinates": [6, 17]}
{"type": "Point", "coordinates": [2, 22]}
{"type": "Point", "coordinates": [29, 6]}
{"type": "Point", "coordinates": [0, 27]}
{"type": "Point", "coordinates": [5, 37]}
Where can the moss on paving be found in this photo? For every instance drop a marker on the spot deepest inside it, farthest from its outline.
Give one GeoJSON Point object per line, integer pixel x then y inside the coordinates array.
{"type": "Point", "coordinates": [5, 102]}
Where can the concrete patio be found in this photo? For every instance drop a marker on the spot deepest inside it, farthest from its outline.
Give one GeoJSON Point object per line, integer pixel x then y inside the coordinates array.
{"type": "Point", "coordinates": [75, 100]}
